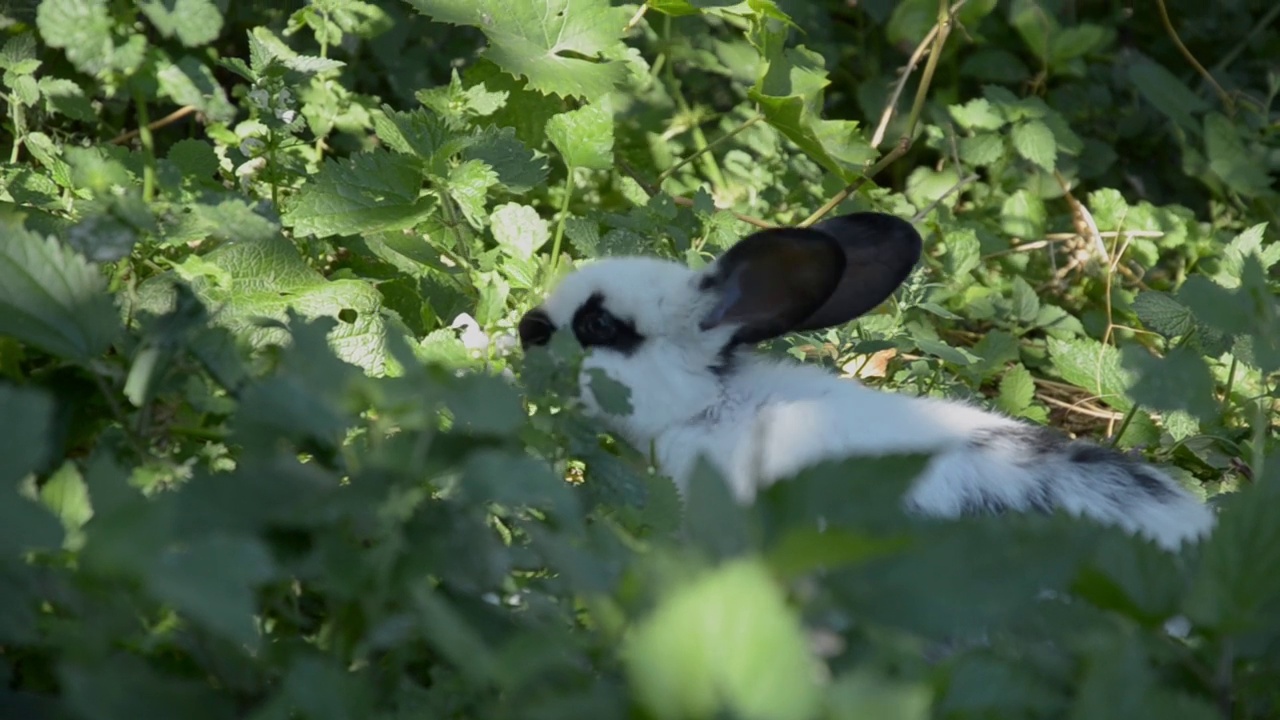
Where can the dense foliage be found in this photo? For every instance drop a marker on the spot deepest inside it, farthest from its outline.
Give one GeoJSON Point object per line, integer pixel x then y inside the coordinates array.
{"type": "Point", "coordinates": [268, 449]}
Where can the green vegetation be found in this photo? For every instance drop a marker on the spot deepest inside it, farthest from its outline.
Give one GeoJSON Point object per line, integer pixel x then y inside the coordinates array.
{"type": "Point", "coordinates": [263, 455]}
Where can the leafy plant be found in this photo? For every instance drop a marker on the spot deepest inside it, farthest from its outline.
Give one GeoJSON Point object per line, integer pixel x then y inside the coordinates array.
{"type": "Point", "coordinates": [269, 449]}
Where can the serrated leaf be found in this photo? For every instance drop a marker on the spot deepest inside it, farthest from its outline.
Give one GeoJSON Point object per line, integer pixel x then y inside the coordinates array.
{"type": "Point", "coordinates": [1231, 160]}
{"type": "Point", "coordinates": [422, 134]}
{"type": "Point", "coordinates": [52, 298]}
{"type": "Point", "coordinates": [709, 644]}
{"type": "Point", "coordinates": [1034, 141]}
{"type": "Point", "coordinates": [519, 229]}
{"type": "Point", "coordinates": [1022, 215]}
{"type": "Point", "coordinates": [190, 82]}
{"type": "Point", "coordinates": [1242, 246]}
{"type": "Point", "coordinates": [1167, 93]}
{"type": "Point", "coordinates": [982, 149]}
{"type": "Point", "coordinates": [1178, 381]}
{"type": "Point", "coordinates": [468, 185]}
{"type": "Point", "coordinates": [196, 159]}
{"type": "Point", "coordinates": [1235, 585]}
{"type": "Point", "coordinates": [790, 95]}
{"type": "Point", "coordinates": [247, 282]}
{"type": "Point", "coordinates": [560, 46]}
{"type": "Point", "coordinates": [67, 497]}
{"type": "Point", "coordinates": [612, 396]}
{"type": "Point", "coordinates": [1088, 364]}
{"type": "Point", "coordinates": [1026, 304]}
{"type": "Point", "coordinates": [83, 28]}
{"type": "Point", "coordinates": [964, 253]}
{"type": "Point", "coordinates": [1017, 390]}
{"type": "Point", "coordinates": [1162, 313]}
{"type": "Point", "coordinates": [64, 97]}
{"type": "Point", "coordinates": [585, 235]}
{"type": "Point", "coordinates": [977, 114]}
{"type": "Point", "coordinates": [458, 103]}
{"type": "Point", "coordinates": [518, 169]}
{"type": "Point", "coordinates": [194, 22]}
{"type": "Point", "coordinates": [584, 137]}
{"type": "Point", "coordinates": [212, 580]}
{"type": "Point", "coordinates": [367, 192]}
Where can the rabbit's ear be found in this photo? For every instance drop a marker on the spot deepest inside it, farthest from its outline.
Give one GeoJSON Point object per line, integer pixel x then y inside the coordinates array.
{"type": "Point", "coordinates": [785, 279]}
{"type": "Point", "coordinates": [879, 252]}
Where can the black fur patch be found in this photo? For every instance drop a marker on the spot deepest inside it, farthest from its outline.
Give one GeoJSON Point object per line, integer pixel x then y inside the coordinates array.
{"type": "Point", "coordinates": [594, 326]}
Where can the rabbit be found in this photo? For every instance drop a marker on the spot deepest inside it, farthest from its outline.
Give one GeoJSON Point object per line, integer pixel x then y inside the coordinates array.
{"type": "Point", "coordinates": [682, 341]}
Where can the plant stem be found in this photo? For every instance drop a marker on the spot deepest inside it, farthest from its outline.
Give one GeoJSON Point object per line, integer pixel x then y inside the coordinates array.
{"type": "Point", "coordinates": [904, 143]}
{"type": "Point", "coordinates": [709, 146]}
{"type": "Point", "coordinates": [560, 220]}
{"type": "Point", "coordinates": [1124, 424]}
{"type": "Point", "coordinates": [148, 146]}
{"type": "Point", "coordinates": [1172, 32]}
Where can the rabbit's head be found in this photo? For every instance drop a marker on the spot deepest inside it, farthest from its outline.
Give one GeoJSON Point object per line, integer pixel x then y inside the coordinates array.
{"type": "Point", "coordinates": [671, 334]}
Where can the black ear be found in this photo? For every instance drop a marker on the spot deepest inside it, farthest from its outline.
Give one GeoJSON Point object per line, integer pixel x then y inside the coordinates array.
{"type": "Point", "coordinates": [786, 279]}
{"type": "Point", "coordinates": [879, 252]}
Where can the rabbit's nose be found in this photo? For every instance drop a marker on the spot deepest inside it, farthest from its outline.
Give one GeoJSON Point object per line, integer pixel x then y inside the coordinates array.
{"type": "Point", "coordinates": [535, 328]}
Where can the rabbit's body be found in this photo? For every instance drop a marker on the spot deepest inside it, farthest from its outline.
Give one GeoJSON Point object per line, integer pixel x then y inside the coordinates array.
{"type": "Point", "coordinates": [680, 340]}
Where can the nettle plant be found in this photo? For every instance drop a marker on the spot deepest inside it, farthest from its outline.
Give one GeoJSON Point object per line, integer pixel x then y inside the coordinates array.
{"type": "Point", "coordinates": [269, 448]}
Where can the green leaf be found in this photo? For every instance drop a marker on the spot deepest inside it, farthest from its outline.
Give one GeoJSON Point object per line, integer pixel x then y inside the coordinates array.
{"type": "Point", "coordinates": [190, 82]}
{"type": "Point", "coordinates": [561, 47]}
{"type": "Point", "coordinates": [1231, 160]}
{"type": "Point", "coordinates": [364, 193]}
{"type": "Point", "coordinates": [26, 434]}
{"type": "Point", "coordinates": [1235, 586]}
{"type": "Point", "coordinates": [1179, 381]}
{"type": "Point", "coordinates": [247, 282]}
{"type": "Point", "coordinates": [612, 396]}
{"type": "Point", "coordinates": [1078, 41]}
{"type": "Point", "coordinates": [726, 640]}
{"type": "Point", "coordinates": [584, 137]}
{"type": "Point", "coordinates": [518, 169]}
{"type": "Point", "coordinates": [982, 149]}
{"type": "Point", "coordinates": [194, 22]}
{"type": "Point", "coordinates": [212, 579]}
{"type": "Point", "coordinates": [1034, 141]}
{"type": "Point", "coordinates": [485, 405]}
{"type": "Point", "coordinates": [1087, 363]}
{"type": "Point", "coordinates": [1167, 93]}
{"type": "Point", "coordinates": [1247, 243]}
{"type": "Point", "coordinates": [870, 693]}
{"type": "Point", "coordinates": [67, 497]}
{"type": "Point", "coordinates": [50, 297]}
{"type": "Point", "coordinates": [1162, 313]}
{"type": "Point", "coordinates": [81, 27]}
{"type": "Point", "coordinates": [977, 114]}
{"type": "Point", "coordinates": [1022, 215]}
{"type": "Point", "coordinates": [64, 97]}
{"type": "Point", "coordinates": [1017, 390]}
{"type": "Point", "coordinates": [790, 95]}
{"type": "Point", "coordinates": [518, 229]}
{"type": "Point", "coordinates": [1026, 304]}
{"type": "Point", "coordinates": [468, 185]}
{"type": "Point", "coordinates": [964, 253]}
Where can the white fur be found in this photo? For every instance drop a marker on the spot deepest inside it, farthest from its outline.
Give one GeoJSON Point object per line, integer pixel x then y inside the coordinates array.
{"type": "Point", "coordinates": [763, 420]}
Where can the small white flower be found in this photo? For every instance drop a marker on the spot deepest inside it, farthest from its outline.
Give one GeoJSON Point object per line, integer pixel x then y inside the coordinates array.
{"type": "Point", "coordinates": [473, 338]}
{"type": "Point", "coordinates": [286, 116]}
{"type": "Point", "coordinates": [506, 343]}
{"type": "Point", "coordinates": [285, 98]}
{"type": "Point", "coordinates": [246, 171]}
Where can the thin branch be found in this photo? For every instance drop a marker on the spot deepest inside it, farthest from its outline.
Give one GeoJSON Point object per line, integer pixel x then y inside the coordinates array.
{"type": "Point", "coordinates": [1223, 95]}
{"type": "Point", "coordinates": [943, 27]}
{"type": "Point", "coordinates": [172, 117]}
{"type": "Point", "coordinates": [674, 168]}
{"type": "Point", "coordinates": [950, 191]}
{"type": "Point", "coordinates": [891, 107]}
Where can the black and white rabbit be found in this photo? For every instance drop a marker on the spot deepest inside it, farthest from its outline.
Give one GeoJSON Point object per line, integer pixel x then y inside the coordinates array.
{"type": "Point", "coordinates": [681, 340]}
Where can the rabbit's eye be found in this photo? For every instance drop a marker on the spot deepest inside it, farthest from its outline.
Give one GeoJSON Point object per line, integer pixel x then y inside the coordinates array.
{"type": "Point", "coordinates": [598, 328]}
{"type": "Point", "coordinates": [594, 326]}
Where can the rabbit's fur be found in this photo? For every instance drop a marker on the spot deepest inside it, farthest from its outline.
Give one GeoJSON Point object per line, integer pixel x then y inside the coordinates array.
{"type": "Point", "coordinates": [681, 340]}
